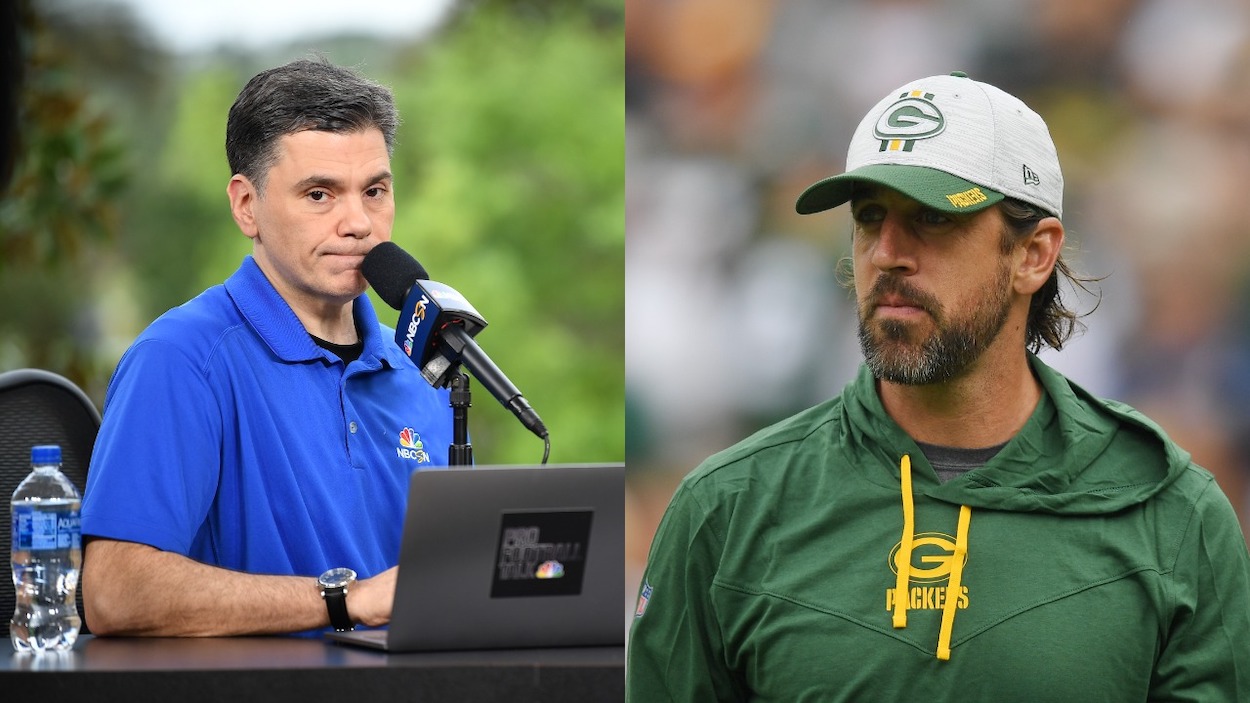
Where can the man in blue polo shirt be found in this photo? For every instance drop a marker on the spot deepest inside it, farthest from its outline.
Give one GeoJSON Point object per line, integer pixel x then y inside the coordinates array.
{"type": "Point", "coordinates": [262, 434]}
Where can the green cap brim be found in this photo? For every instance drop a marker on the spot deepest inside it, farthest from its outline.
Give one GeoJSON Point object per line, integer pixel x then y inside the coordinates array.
{"type": "Point", "coordinates": [936, 189]}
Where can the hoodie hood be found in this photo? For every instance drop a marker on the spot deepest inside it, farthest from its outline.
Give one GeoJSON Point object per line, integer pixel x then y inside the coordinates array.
{"type": "Point", "coordinates": [1056, 464]}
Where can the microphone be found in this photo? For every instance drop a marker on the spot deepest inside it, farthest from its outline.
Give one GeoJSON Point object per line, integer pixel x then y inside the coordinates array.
{"type": "Point", "coordinates": [436, 328]}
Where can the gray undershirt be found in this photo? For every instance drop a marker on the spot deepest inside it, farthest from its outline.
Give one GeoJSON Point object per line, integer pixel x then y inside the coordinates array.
{"type": "Point", "coordinates": [952, 462]}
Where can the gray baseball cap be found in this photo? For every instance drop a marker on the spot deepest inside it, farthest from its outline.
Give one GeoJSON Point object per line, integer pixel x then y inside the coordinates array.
{"type": "Point", "coordinates": [952, 143]}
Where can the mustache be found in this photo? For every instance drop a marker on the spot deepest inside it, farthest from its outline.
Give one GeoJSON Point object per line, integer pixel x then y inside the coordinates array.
{"type": "Point", "coordinates": [895, 286]}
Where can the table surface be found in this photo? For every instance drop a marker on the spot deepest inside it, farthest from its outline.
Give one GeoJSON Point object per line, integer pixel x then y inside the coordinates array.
{"type": "Point", "coordinates": [293, 668]}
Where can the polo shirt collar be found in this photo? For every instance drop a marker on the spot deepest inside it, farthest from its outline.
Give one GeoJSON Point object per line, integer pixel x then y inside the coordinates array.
{"type": "Point", "coordinates": [275, 323]}
{"type": "Point", "coordinates": [380, 345]}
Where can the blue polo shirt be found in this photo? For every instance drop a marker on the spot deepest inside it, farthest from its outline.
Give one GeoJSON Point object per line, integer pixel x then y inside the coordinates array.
{"type": "Point", "coordinates": [230, 437]}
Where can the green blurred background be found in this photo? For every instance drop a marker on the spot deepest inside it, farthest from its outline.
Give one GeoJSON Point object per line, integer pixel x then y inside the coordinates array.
{"type": "Point", "coordinates": [509, 169]}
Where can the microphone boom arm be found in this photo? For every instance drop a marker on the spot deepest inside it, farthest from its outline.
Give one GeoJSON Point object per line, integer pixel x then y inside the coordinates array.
{"type": "Point", "coordinates": [489, 375]}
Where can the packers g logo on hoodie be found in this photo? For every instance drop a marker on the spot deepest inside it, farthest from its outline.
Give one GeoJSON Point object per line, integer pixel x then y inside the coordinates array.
{"type": "Point", "coordinates": [931, 557]}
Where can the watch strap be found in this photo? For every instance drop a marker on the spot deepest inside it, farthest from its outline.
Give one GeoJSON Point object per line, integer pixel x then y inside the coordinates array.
{"type": "Point", "coordinates": [336, 603]}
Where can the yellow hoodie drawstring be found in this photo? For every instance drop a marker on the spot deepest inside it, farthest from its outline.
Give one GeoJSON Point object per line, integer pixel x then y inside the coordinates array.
{"type": "Point", "coordinates": [904, 548]}
{"type": "Point", "coordinates": [903, 561]}
{"type": "Point", "coordinates": [954, 585]}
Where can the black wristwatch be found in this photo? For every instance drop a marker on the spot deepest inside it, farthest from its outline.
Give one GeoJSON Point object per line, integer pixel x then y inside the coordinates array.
{"type": "Point", "coordinates": [334, 585]}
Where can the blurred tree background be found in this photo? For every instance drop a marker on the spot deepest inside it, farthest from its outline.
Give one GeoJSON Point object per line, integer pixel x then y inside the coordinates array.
{"type": "Point", "coordinates": [509, 187]}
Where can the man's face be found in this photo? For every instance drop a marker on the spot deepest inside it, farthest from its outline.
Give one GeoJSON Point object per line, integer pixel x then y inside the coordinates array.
{"type": "Point", "coordinates": [326, 202]}
{"type": "Point", "coordinates": [933, 290]}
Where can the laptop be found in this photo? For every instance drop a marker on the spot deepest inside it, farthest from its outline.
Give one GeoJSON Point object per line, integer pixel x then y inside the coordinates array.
{"type": "Point", "coordinates": [502, 557]}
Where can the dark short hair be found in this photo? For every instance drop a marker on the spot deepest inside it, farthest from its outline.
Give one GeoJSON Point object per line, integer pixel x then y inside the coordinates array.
{"type": "Point", "coordinates": [302, 95]}
{"type": "Point", "coordinates": [1051, 323]}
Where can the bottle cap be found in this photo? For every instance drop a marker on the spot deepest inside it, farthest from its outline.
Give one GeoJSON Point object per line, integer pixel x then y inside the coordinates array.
{"type": "Point", "coordinates": [45, 454]}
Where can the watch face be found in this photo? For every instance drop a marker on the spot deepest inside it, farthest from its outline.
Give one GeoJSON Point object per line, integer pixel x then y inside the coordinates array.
{"type": "Point", "coordinates": [337, 578]}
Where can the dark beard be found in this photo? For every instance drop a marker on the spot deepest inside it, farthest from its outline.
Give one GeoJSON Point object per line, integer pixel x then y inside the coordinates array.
{"type": "Point", "coordinates": [946, 353]}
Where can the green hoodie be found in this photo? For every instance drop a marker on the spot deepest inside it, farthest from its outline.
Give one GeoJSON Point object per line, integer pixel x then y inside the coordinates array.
{"type": "Point", "coordinates": [1095, 562]}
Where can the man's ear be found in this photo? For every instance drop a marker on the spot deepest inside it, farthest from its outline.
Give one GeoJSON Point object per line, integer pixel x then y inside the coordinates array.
{"type": "Point", "coordinates": [1037, 255]}
{"type": "Point", "coordinates": [243, 196]}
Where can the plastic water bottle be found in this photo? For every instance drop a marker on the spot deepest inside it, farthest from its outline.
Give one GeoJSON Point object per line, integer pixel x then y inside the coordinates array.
{"type": "Point", "coordinates": [47, 556]}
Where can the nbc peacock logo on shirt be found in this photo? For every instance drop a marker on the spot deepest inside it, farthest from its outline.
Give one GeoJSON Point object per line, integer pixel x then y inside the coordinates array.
{"type": "Point", "coordinates": [411, 448]}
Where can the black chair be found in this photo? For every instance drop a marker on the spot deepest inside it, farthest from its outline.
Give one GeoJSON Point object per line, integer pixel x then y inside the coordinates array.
{"type": "Point", "coordinates": [40, 407]}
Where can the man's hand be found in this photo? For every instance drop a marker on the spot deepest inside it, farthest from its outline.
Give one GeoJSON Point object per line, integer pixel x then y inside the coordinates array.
{"type": "Point", "coordinates": [369, 601]}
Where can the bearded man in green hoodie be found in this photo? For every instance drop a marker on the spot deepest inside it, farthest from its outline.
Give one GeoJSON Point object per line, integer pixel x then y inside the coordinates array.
{"type": "Point", "coordinates": [962, 523]}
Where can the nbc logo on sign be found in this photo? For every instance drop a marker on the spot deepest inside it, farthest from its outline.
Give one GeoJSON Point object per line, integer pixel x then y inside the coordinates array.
{"type": "Point", "coordinates": [550, 570]}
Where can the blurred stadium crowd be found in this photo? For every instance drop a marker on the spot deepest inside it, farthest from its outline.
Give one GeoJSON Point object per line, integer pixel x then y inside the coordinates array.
{"type": "Point", "coordinates": [734, 316]}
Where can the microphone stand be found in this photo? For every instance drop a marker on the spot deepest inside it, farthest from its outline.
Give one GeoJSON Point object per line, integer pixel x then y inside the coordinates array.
{"type": "Point", "coordinates": [460, 453]}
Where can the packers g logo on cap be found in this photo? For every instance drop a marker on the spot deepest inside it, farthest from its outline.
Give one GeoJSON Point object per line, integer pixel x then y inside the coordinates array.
{"type": "Point", "coordinates": [913, 116]}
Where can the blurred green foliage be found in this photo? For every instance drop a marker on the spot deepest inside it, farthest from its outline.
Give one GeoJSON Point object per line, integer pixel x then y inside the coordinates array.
{"type": "Point", "coordinates": [59, 208]}
{"type": "Point", "coordinates": [509, 187]}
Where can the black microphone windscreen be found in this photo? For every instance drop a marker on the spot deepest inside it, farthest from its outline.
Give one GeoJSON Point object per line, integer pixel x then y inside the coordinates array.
{"type": "Point", "coordinates": [391, 271]}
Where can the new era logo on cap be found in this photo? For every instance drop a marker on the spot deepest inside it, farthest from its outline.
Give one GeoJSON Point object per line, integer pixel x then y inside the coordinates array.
{"type": "Point", "coordinates": [1030, 177]}
{"type": "Point", "coordinates": [953, 143]}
